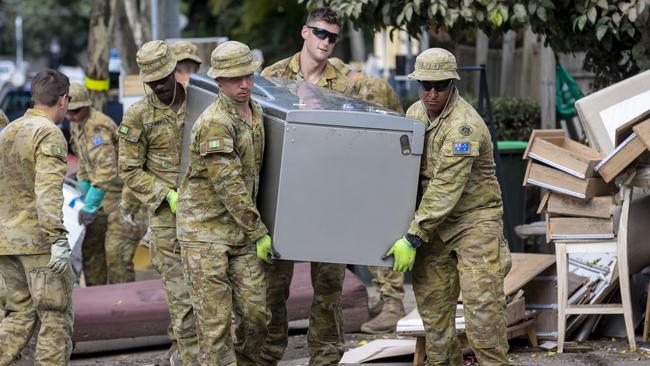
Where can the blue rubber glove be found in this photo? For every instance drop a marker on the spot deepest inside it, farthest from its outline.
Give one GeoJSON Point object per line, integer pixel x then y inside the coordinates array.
{"type": "Point", "coordinates": [83, 186]}
{"type": "Point", "coordinates": [172, 198]}
{"type": "Point", "coordinates": [93, 200]}
{"type": "Point", "coordinates": [404, 254]}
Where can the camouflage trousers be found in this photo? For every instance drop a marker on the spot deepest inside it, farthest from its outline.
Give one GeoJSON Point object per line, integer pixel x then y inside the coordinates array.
{"type": "Point", "coordinates": [325, 335]}
{"type": "Point", "coordinates": [29, 291]}
{"type": "Point", "coordinates": [109, 245]}
{"type": "Point", "coordinates": [165, 254]}
{"type": "Point", "coordinates": [227, 281]}
{"type": "Point", "coordinates": [389, 283]}
{"type": "Point", "coordinates": [475, 262]}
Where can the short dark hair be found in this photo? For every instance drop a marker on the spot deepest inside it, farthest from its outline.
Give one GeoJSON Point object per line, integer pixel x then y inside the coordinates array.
{"type": "Point", "coordinates": [325, 14]}
{"type": "Point", "coordinates": [187, 65]}
{"type": "Point", "coordinates": [48, 85]}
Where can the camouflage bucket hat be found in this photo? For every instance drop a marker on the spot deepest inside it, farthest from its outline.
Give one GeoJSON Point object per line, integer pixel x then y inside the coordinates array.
{"type": "Point", "coordinates": [232, 59]}
{"type": "Point", "coordinates": [79, 97]}
{"type": "Point", "coordinates": [183, 50]}
{"type": "Point", "coordinates": [155, 61]}
{"type": "Point", "coordinates": [435, 64]}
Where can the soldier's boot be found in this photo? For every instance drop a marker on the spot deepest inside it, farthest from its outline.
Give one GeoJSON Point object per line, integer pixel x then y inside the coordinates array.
{"type": "Point", "coordinates": [376, 308]}
{"type": "Point", "coordinates": [167, 358]}
{"type": "Point", "coordinates": [386, 321]}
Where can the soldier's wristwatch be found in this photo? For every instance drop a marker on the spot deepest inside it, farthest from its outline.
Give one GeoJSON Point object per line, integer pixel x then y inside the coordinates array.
{"type": "Point", "coordinates": [415, 240]}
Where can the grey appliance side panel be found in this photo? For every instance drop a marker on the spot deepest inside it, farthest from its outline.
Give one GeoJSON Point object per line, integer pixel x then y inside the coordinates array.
{"type": "Point", "coordinates": [353, 204]}
{"type": "Point", "coordinates": [274, 129]}
{"type": "Point", "coordinates": [198, 99]}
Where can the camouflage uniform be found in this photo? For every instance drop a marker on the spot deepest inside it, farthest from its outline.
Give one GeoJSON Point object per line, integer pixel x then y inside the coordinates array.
{"type": "Point", "coordinates": [218, 222]}
{"type": "Point", "coordinates": [109, 243]}
{"type": "Point", "coordinates": [4, 121]}
{"type": "Point", "coordinates": [459, 217]}
{"type": "Point", "coordinates": [376, 90]}
{"type": "Point", "coordinates": [325, 336]}
{"type": "Point", "coordinates": [33, 156]}
{"type": "Point", "coordinates": [151, 135]}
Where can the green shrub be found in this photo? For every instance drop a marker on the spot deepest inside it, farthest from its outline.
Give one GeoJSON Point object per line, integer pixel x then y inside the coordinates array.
{"type": "Point", "coordinates": [515, 118]}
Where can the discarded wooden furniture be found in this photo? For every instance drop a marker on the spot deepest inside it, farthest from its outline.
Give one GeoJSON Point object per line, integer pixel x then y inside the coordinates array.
{"type": "Point", "coordinates": [525, 327]}
{"type": "Point", "coordinates": [619, 246]}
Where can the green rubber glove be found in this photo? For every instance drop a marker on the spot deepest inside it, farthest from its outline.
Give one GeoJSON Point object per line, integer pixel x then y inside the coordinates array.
{"type": "Point", "coordinates": [93, 200]}
{"type": "Point", "coordinates": [83, 186]}
{"type": "Point", "coordinates": [264, 249]}
{"type": "Point", "coordinates": [171, 198]}
{"type": "Point", "coordinates": [404, 254]}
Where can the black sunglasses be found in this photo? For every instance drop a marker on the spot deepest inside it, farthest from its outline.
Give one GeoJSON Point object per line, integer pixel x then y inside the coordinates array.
{"type": "Point", "coordinates": [321, 34]}
{"type": "Point", "coordinates": [438, 86]}
{"type": "Point", "coordinates": [73, 112]}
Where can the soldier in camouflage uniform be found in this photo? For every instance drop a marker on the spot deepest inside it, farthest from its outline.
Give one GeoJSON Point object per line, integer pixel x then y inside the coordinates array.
{"type": "Point", "coordinates": [188, 61]}
{"type": "Point", "coordinates": [458, 224]}
{"type": "Point", "coordinates": [4, 121]}
{"type": "Point", "coordinates": [109, 243]}
{"type": "Point", "coordinates": [151, 135]}
{"type": "Point", "coordinates": [325, 337]}
{"type": "Point", "coordinates": [219, 226]}
{"type": "Point", "coordinates": [390, 284]}
{"type": "Point", "coordinates": [36, 277]}
{"type": "Point", "coordinates": [368, 87]}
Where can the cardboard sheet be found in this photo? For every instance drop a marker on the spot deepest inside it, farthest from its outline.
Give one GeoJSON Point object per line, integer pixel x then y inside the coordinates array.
{"type": "Point", "coordinates": [378, 349]}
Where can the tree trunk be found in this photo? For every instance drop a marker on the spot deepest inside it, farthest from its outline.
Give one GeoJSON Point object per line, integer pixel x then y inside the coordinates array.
{"type": "Point", "coordinates": [506, 82]}
{"type": "Point", "coordinates": [133, 15]}
{"type": "Point", "coordinates": [124, 38]}
{"type": "Point", "coordinates": [357, 44]}
{"type": "Point", "coordinates": [99, 40]}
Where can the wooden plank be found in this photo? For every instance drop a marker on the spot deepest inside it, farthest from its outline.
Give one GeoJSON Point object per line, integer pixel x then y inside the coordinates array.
{"type": "Point", "coordinates": [598, 207]}
{"type": "Point", "coordinates": [595, 309]}
{"type": "Point", "coordinates": [572, 228]}
{"type": "Point", "coordinates": [515, 311]}
{"type": "Point", "coordinates": [642, 130]}
{"type": "Point", "coordinates": [620, 158]}
{"type": "Point", "coordinates": [549, 135]}
{"type": "Point", "coordinates": [542, 204]}
{"type": "Point", "coordinates": [561, 182]}
{"type": "Point", "coordinates": [625, 130]}
{"type": "Point", "coordinates": [525, 267]}
{"type": "Point", "coordinates": [566, 155]}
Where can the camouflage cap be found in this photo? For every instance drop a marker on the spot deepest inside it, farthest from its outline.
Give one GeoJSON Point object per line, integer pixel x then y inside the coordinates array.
{"type": "Point", "coordinates": [435, 64]}
{"type": "Point", "coordinates": [79, 97]}
{"type": "Point", "coordinates": [184, 50]}
{"type": "Point", "coordinates": [155, 61]}
{"type": "Point", "coordinates": [232, 59]}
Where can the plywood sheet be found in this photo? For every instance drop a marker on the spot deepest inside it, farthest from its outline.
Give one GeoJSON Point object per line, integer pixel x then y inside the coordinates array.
{"type": "Point", "coordinates": [525, 267]}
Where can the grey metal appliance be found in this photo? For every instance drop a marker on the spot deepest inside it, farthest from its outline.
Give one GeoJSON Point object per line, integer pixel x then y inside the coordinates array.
{"type": "Point", "coordinates": [340, 176]}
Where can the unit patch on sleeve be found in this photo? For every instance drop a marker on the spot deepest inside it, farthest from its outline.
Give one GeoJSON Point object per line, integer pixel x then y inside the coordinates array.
{"type": "Point", "coordinates": [465, 130]}
{"type": "Point", "coordinates": [124, 129]}
{"type": "Point", "coordinates": [461, 148]}
{"type": "Point", "coordinates": [98, 140]}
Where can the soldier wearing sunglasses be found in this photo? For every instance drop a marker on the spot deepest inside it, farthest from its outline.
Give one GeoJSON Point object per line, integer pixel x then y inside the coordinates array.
{"type": "Point", "coordinates": [455, 241]}
{"type": "Point", "coordinates": [325, 340]}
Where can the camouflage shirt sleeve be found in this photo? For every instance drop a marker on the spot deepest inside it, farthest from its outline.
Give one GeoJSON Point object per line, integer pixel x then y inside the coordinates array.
{"type": "Point", "coordinates": [4, 121]}
{"type": "Point", "coordinates": [50, 160]}
{"type": "Point", "coordinates": [393, 100]}
{"type": "Point", "coordinates": [82, 174]}
{"type": "Point", "coordinates": [150, 190]}
{"type": "Point", "coordinates": [101, 152]}
{"type": "Point", "coordinates": [216, 147]}
{"type": "Point", "coordinates": [446, 187]}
